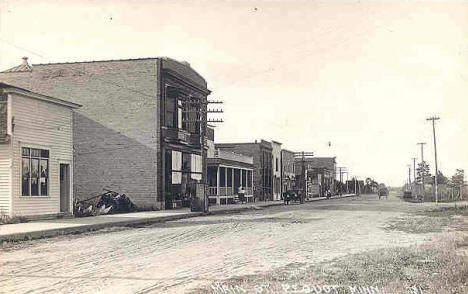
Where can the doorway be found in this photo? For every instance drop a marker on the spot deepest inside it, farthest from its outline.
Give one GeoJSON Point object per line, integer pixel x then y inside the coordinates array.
{"type": "Point", "coordinates": [64, 187]}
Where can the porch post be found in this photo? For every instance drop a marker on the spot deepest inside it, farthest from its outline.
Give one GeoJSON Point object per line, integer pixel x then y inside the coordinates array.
{"type": "Point", "coordinates": [252, 184]}
{"type": "Point", "coordinates": [232, 182]}
{"type": "Point", "coordinates": [242, 184]}
{"type": "Point", "coordinates": [217, 186]}
{"type": "Point", "coordinates": [225, 180]}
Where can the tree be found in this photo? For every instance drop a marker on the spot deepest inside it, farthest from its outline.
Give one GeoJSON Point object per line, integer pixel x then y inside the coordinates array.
{"type": "Point", "coordinates": [458, 180]}
{"type": "Point", "coordinates": [423, 171]}
{"type": "Point", "coordinates": [441, 179]}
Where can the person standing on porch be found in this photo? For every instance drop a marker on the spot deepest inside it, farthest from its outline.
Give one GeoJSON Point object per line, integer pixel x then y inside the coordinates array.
{"type": "Point", "coordinates": [241, 194]}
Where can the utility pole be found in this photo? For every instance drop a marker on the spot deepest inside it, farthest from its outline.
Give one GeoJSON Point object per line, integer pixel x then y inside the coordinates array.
{"type": "Point", "coordinates": [355, 185]}
{"type": "Point", "coordinates": [433, 119]}
{"type": "Point", "coordinates": [414, 169]}
{"type": "Point", "coordinates": [198, 107]}
{"type": "Point", "coordinates": [340, 183]}
{"type": "Point", "coordinates": [302, 156]}
{"type": "Point", "coordinates": [422, 161]}
{"type": "Point", "coordinates": [409, 174]}
{"type": "Point", "coordinates": [341, 179]}
{"type": "Point", "coordinates": [347, 188]}
{"type": "Point", "coordinates": [304, 174]}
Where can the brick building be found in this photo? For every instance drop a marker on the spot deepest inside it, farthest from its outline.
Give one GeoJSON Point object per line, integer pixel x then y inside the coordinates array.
{"type": "Point", "coordinates": [138, 131]}
{"type": "Point", "coordinates": [288, 173]}
{"type": "Point", "coordinates": [276, 162]}
{"type": "Point", "coordinates": [262, 163]}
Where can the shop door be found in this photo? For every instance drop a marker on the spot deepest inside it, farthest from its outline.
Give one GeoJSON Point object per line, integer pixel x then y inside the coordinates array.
{"type": "Point", "coordinates": [64, 188]}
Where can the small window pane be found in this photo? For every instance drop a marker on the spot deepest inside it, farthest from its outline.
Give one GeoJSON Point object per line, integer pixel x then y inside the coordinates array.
{"type": "Point", "coordinates": [44, 176]}
{"type": "Point", "coordinates": [34, 177]}
{"type": "Point", "coordinates": [176, 178]}
{"type": "Point", "coordinates": [196, 163]}
{"type": "Point", "coordinates": [35, 152]}
{"type": "Point", "coordinates": [25, 177]}
{"type": "Point", "coordinates": [45, 153]}
{"type": "Point", "coordinates": [176, 160]}
{"type": "Point", "coordinates": [25, 151]}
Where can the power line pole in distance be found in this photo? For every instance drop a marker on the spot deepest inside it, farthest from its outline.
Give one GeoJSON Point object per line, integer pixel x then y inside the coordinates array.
{"type": "Point", "coordinates": [433, 119]}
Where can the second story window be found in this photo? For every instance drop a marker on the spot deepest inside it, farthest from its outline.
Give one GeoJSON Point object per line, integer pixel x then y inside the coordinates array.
{"type": "Point", "coordinates": [170, 111]}
{"type": "Point", "coordinates": [180, 115]}
{"type": "Point", "coordinates": [182, 111]}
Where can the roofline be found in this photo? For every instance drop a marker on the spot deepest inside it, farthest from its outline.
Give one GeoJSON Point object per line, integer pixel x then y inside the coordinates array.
{"type": "Point", "coordinates": [287, 150]}
{"type": "Point", "coordinates": [20, 91]}
{"type": "Point", "coordinates": [186, 63]}
{"type": "Point", "coordinates": [162, 58]}
{"type": "Point", "coordinates": [315, 158]}
{"type": "Point", "coordinates": [102, 60]}
{"type": "Point", "coordinates": [247, 143]}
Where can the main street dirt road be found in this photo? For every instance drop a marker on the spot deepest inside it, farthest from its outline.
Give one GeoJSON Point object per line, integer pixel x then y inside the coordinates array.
{"type": "Point", "coordinates": [179, 256]}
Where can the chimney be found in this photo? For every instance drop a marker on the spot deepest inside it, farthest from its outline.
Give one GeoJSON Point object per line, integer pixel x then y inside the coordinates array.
{"type": "Point", "coordinates": [25, 61]}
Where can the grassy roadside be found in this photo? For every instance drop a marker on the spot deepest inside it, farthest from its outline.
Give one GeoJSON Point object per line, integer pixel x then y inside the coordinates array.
{"type": "Point", "coordinates": [437, 267]}
{"type": "Point", "coordinates": [430, 221]}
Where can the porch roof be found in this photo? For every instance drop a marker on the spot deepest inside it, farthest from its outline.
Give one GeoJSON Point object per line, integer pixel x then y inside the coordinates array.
{"type": "Point", "coordinates": [215, 161]}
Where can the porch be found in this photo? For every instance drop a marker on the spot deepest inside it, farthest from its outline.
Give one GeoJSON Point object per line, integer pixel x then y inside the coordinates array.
{"type": "Point", "coordinates": [227, 173]}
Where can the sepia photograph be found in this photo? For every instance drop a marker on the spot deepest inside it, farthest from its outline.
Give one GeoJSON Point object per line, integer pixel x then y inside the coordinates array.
{"type": "Point", "coordinates": [234, 147]}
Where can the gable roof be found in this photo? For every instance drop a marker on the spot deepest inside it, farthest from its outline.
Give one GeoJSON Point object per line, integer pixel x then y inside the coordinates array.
{"type": "Point", "coordinates": [7, 88]}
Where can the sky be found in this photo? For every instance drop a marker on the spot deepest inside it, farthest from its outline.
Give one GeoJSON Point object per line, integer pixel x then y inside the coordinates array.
{"type": "Point", "coordinates": [351, 79]}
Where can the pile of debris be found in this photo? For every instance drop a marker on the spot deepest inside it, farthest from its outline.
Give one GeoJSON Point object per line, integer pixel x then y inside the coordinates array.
{"type": "Point", "coordinates": [108, 203]}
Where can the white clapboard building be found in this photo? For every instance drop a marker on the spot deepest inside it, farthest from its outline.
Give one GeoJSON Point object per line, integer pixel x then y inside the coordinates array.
{"type": "Point", "coordinates": [36, 153]}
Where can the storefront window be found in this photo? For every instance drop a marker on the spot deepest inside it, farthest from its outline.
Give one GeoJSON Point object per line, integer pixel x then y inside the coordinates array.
{"type": "Point", "coordinates": [35, 172]}
{"type": "Point", "coordinates": [26, 176]}
{"type": "Point", "coordinates": [183, 172]}
{"type": "Point", "coordinates": [196, 170]}
{"type": "Point", "coordinates": [44, 178]}
{"type": "Point", "coordinates": [176, 167]}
